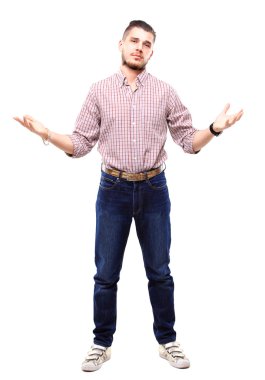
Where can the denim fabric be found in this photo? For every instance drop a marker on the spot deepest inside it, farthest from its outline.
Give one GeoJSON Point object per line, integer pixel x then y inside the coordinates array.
{"type": "Point", "coordinates": [147, 202]}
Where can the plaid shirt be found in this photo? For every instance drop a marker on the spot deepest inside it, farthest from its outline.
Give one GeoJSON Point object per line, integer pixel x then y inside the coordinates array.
{"type": "Point", "coordinates": [131, 126]}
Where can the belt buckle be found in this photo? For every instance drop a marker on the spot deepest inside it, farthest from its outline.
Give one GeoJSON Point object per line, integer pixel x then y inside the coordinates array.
{"type": "Point", "coordinates": [129, 176]}
{"type": "Point", "coordinates": [133, 176]}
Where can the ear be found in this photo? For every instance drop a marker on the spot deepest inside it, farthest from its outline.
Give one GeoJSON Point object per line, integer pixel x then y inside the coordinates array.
{"type": "Point", "coordinates": [120, 45]}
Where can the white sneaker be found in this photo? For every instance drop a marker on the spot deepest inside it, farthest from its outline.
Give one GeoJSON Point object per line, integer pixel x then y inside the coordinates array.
{"type": "Point", "coordinates": [96, 356]}
{"type": "Point", "coordinates": [174, 355]}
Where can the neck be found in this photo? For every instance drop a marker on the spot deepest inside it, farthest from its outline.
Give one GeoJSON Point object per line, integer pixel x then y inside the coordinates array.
{"type": "Point", "coordinates": [130, 74]}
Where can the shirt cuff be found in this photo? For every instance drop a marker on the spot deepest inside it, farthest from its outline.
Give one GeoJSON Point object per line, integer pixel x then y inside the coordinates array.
{"type": "Point", "coordinates": [188, 148]}
{"type": "Point", "coordinates": [75, 142]}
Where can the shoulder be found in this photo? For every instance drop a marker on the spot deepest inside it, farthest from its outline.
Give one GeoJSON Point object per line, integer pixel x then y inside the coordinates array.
{"type": "Point", "coordinates": [156, 82]}
{"type": "Point", "coordinates": [106, 82]}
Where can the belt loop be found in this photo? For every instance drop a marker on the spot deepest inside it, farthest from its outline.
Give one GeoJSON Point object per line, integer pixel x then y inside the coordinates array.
{"type": "Point", "coordinates": [146, 175]}
{"type": "Point", "coordinates": [120, 174]}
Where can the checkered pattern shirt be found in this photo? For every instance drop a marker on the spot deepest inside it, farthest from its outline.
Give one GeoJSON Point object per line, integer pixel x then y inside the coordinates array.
{"type": "Point", "coordinates": [131, 126]}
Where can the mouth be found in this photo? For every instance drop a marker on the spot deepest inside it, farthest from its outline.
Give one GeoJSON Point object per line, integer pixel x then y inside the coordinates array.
{"type": "Point", "coordinates": [137, 56]}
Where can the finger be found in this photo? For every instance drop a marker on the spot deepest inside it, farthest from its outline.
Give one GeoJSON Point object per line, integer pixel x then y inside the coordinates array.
{"type": "Point", "coordinates": [227, 123]}
{"type": "Point", "coordinates": [232, 119]}
{"type": "Point", "coordinates": [29, 117]}
{"type": "Point", "coordinates": [26, 122]}
{"type": "Point", "coordinates": [19, 120]}
{"type": "Point", "coordinates": [239, 115]}
{"type": "Point", "coordinates": [227, 106]}
{"type": "Point", "coordinates": [30, 125]}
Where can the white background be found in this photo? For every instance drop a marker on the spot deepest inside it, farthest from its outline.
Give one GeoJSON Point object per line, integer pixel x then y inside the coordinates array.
{"type": "Point", "coordinates": [211, 52]}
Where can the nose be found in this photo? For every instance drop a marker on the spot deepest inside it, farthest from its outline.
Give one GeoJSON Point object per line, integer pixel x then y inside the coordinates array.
{"type": "Point", "coordinates": [139, 46]}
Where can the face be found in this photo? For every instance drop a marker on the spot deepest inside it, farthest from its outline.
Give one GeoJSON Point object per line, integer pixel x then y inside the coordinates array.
{"type": "Point", "coordinates": [137, 48]}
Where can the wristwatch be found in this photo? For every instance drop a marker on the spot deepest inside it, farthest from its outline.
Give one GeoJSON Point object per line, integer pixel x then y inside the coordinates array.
{"type": "Point", "coordinates": [213, 131]}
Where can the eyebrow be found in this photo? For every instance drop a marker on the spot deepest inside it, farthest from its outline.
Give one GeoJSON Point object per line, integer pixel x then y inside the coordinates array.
{"type": "Point", "coordinates": [136, 38]}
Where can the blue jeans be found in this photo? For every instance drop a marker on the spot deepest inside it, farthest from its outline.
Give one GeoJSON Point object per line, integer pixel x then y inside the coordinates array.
{"type": "Point", "coordinates": [118, 202]}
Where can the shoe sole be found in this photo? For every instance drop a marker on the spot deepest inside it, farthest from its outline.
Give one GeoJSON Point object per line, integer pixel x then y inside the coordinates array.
{"type": "Point", "coordinates": [92, 369]}
{"type": "Point", "coordinates": [175, 365]}
{"type": "Point", "coordinates": [179, 366]}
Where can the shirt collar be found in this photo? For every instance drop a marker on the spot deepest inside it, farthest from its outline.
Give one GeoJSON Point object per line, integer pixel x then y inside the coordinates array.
{"type": "Point", "coordinates": [141, 78]}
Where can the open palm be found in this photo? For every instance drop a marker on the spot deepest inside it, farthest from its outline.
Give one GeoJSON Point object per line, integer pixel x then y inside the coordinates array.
{"type": "Point", "coordinates": [32, 125]}
{"type": "Point", "coordinates": [224, 121]}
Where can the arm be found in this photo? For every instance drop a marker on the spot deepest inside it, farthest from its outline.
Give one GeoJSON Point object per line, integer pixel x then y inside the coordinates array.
{"type": "Point", "coordinates": [62, 142]}
{"type": "Point", "coordinates": [222, 122]}
{"type": "Point", "coordinates": [85, 135]}
{"type": "Point", "coordinates": [179, 122]}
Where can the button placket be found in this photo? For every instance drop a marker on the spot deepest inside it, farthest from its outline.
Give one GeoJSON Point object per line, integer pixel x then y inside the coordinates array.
{"type": "Point", "coordinates": [134, 149]}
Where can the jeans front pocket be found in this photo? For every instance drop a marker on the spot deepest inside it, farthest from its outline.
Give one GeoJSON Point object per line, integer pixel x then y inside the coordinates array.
{"type": "Point", "coordinates": [108, 183]}
{"type": "Point", "coordinates": [157, 182]}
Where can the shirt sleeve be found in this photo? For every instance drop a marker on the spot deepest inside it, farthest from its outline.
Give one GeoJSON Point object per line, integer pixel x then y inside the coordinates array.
{"type": "Point", "coordinates": [180, 122]}
{"type": "Point", "coordinates": [87, 127]}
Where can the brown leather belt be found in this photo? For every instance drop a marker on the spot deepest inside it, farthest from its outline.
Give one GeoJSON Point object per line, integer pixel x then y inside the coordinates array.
{"type": "Point", "coordinates": [133, 176]}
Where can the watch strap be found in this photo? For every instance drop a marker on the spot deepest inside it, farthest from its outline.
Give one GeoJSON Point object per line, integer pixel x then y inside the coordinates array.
{"type": "Point", "coordinates": [213, 131]}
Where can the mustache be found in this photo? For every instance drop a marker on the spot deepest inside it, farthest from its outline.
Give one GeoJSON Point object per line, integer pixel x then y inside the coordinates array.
{"type": "Point", "coordinates": [132, 66]}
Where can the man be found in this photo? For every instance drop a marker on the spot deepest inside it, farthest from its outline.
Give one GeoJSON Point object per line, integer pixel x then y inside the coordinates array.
{"type": "Point", "coordinates": [128, 114]}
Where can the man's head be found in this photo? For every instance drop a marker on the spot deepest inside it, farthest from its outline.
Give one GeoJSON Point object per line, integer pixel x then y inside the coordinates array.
{"type": "Point", "coordinates": [136, 45]}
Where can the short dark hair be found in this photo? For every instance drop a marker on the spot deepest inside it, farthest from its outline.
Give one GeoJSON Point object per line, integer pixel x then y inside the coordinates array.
{"type": "Point", "coordinates": [139, 24]}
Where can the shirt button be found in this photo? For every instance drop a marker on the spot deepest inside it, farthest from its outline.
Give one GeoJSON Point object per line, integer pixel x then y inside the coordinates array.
{"type": "Point", "coordinates": [134, 140]}
{"type": "Point", "coordinates": [133, 123]}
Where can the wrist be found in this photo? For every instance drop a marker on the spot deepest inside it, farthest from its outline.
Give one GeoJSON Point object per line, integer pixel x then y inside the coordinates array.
{"type": "Point", "coordinates": [215, 130]}
{"type": "Point", "coordinates": [43, 132]}
{"type": "Point", "coordinates": [45, 135]}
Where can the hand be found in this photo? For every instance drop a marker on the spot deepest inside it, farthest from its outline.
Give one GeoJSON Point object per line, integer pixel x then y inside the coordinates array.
{"type": "Point", "coordinates": [33, 125]}
{"type": "Point", "coordinates": [224, 121]}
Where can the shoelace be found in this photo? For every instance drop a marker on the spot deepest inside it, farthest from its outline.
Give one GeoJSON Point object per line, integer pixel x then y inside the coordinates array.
{"type": "Point", "coordinates": [175, 351]}
{"type": "Point", "coordinates": [94, 354]}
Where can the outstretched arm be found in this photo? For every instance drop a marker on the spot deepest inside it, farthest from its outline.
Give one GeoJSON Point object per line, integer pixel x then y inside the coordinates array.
{"type": "Point", "coordinates": [62, 142]}
{"type": "Point", "coordinates": [222, 122]}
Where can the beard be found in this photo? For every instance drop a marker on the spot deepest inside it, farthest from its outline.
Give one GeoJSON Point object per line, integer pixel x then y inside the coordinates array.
{"type": "Point", "coordinates": [131, 65]}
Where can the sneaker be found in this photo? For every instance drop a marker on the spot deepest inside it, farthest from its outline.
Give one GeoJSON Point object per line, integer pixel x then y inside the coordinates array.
{"type": "Point", "coordinates": [96, 356]}
{"type": "Point", "coordinates": [174, 355]}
